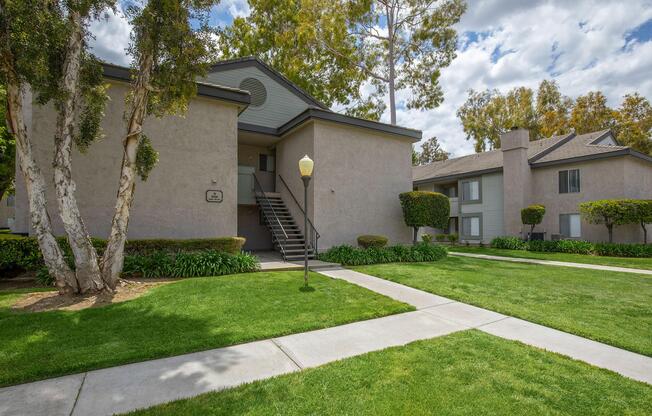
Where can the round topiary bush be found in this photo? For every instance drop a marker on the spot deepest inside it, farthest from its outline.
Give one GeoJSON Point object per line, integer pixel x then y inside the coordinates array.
{"type": "Point", "coordinates": [368, 241]}
{"type": "Point", "coordinates": [425, 209]}
{"type": "Point", "coordinates": [533, 215]}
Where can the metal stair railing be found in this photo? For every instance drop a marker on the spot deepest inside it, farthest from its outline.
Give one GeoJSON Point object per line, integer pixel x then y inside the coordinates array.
{"type": "Point", "coordinates": [258, 190]}
{"type": "Point", "coordinates": [314, 235]}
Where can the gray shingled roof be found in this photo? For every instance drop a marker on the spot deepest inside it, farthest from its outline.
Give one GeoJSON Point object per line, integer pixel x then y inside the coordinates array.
{"type": "Point", "coordinates": [540, 152]}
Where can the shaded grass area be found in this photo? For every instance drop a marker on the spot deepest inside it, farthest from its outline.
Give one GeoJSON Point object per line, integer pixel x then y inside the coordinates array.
{"type": "Point", "coordinates": [634, 263]}
{"type": "Point", "coordinates": [467, 373]}
{"type": "Point", "coordinates": [180, 317]}
{"type": "Point", "coordinates": [609, 307]}
{"type": "Point", "coordinates": [5, 234]}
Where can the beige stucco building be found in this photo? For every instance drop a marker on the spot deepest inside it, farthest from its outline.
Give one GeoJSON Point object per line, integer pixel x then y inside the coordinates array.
{"type": "Point", "coordinates": [229, 166]}
{"type": "Point", "coordinates": [488, 190]}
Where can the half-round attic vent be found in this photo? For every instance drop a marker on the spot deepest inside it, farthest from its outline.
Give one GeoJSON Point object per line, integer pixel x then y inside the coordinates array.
{"type": "Point", "coordinates": [256, 89]}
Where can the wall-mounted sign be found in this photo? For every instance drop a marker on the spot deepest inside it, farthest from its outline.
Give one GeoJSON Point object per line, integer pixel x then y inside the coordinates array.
{"type": "Point", "coordinates": [214, 195]}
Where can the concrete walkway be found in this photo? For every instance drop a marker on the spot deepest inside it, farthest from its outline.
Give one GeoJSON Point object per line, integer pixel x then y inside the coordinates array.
{"type": "Point", "coordinates": [129, 387]}
{"type": "Point", "coordinates": [553, 263]}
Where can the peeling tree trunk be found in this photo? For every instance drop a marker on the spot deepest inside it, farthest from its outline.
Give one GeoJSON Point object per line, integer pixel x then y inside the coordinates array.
{"type": "Point", "coordinates": [113, 258]}
{"type": "Point", "coordinates": [391, 64]}
{"type": "Point", "coordinates": [87, 268]}
{"type": "Point", "coordinates": [35, 184]}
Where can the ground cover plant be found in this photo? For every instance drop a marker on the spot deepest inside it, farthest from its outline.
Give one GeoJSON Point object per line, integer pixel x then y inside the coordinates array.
{"type": "Point", "coordinates": [466, 373]}
{"type": "Point", "coordinates": [609, 307]}
{"type": "Point", "coordinates": [352, 256]}
{"type": "Point", "coordinates": [630, 262]}
{"type": "Point", "coordinates": [176, 318]}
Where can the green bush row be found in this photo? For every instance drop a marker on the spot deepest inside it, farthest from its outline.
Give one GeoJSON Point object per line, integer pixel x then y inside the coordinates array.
{"type": "Point", "coordinates": [366, 241]}
{"type": "Point", "coordinates": [574, 247]}
{"type": "Point", "coordinates": [352, 256]}
{"type": "Point", "coordinates": [191, 264]}
{"type": "Point", "coordinates": [24, 253]}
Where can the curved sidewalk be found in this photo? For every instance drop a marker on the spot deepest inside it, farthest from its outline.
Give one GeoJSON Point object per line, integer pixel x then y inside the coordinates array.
{"type": "Point", "coordinates": [144, 384]}
{"type": "Point", "coordinates": [552, 263]}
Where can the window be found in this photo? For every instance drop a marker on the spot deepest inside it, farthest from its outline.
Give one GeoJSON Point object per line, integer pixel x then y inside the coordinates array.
{"type": "Point", "coordinates": [266, 163]}
{"type": "Point", "coordinates": [471, 227]}
{"type": "Point", "coordinates": [10, 200]}
{"type": "Point", "coordinates": [570, 225]}
{"type": "Point", "coordinates": [471, 190]}
{"type": "Point", "coordinates": [569, 181]}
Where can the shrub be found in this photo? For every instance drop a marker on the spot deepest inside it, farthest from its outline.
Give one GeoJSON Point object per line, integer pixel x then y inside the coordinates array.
{"type": "Point", "coordinates": [24, 253]}
{"type": "Point", "coordinates": [542, 246]}
{"type": "Point", "coordinates": [623, 250]}
{"type": "Point", "coordinates": [366, 241]}
{"type": "Point", "coordinates": [609, 212]}
{"type": "Point", "coordinates": [425, 209]}
{"type": "Point", "coordinates": [509, 243]}
{"type": "Point", "coordinates": [453, 238]}
{"type": "Point", "coordinates": [351, 256]}
{"type": "Point", "coordinates": [426, 238]}
{"type": "Point", "coordinates": [533, 215]}
{"type": "Point", "coordinates": [440, 237]}
{"type": "Point", "coordinates": [574, 247]}
{"type": "Point", "coordinates": [190, 264]}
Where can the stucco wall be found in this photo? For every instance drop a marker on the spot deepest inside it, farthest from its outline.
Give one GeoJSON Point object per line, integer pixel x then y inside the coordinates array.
{"type": "Point", "coordinates": [491, 208]}
{"type": "Point", "coordinates": [197, 152]}
{"type": "Point", "coordinates": [359, 174]}
{"type": "Point", "coordinates": [289, 151]}
{"type": "Point", "coordinates": [618, 177]}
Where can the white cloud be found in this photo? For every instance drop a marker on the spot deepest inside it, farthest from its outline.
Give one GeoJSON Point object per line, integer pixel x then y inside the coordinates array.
{"type": "Point", "coordinates": [111, 37]}
{"type": "Point", "coordinates": [581, 44]}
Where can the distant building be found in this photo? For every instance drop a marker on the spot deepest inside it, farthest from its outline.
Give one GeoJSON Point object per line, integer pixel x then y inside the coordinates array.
{"type": "Point", "coordinates": [489, 189]}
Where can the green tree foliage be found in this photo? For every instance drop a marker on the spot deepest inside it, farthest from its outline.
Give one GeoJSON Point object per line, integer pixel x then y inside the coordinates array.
{"type": "Point", "coordinates": [639, 211]}
{"type": "Point", "coordinates": [284, 34]}
{"type": "Point", "coordinates": [532, 216]}
{"type": "Point", "coordinates": [418, 42]}
{"type": "Point", "coordinates": [431, 151]}
{"type": "Point", "coordinates": [609, 212]}
{"type": "Point", "coordinates": [425, 209]}
{"type": "Point", "coordinates": [591, 113]}
{"type": "Point", "coordinates": [7, 151]}
{"type": "Point", "coordinates": [634, 123]}
{"type": "Point", "coordinates": [486, 115]}
{"type": "Point", "coordinates": [552, 110]}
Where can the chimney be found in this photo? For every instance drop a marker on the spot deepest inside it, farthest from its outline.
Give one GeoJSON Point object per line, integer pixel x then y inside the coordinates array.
{"type": "Point", "coordinates": [517, 178]}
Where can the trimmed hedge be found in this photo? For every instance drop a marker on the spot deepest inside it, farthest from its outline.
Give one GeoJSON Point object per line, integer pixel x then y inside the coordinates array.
{"type": "Point", "coordinates": [367, 241]}
{"type": "Point", "coordinates": [421, 209]}
{"type": "Point", "coordinates": [352, 256]}
{"type": "Point", "coordinates": [623, 250]}
{"type": "Point", "coordinates": [509, 243]}
{"type": "Point", "coordinates": [24, 253]}
{"type": "Point", "coordinates": [574, 247]}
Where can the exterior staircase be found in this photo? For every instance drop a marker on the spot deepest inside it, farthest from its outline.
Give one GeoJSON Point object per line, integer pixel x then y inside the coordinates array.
{"type": "Point", "coordinates": [287, 237]}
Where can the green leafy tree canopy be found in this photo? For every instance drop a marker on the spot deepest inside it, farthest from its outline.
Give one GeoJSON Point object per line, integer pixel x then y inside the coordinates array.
{"type": "Point", "coordinates": [425, 209]}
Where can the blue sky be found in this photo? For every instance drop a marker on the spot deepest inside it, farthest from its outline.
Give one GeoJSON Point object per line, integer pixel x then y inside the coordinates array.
{"type": "Point", "coordinates": [584, 45]}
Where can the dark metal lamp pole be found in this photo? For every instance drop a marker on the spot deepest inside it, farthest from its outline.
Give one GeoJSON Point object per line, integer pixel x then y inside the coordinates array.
{"type": "Point", "coordinates": [305, 168]}
{"type": "Point", "coordinates": [306, 181]}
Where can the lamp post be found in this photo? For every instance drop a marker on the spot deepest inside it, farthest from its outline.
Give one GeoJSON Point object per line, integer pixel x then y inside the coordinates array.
{"type": "Point", "coordinates": [305, 168]}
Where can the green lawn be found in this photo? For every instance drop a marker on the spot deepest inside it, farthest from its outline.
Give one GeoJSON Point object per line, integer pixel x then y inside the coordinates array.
{"type": "Point", "coordinates": [635, 263]}
{"type": "Point", "coordinates": [5, 234]}
{"type": "Point", "coordinates": [610, 307]}
{"type": "Point", "coordinates": [189, 315]}
{"type": "Point", "coordinates": [467, 373]}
